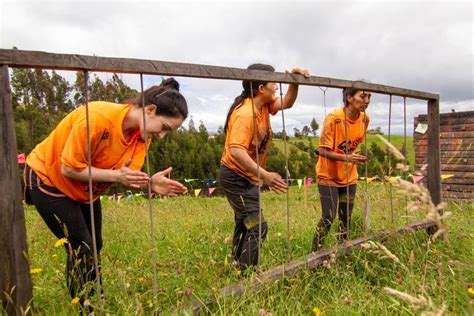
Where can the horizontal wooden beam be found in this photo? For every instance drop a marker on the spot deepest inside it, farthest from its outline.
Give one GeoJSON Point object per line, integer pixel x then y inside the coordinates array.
{"type": "Point", "coordinates": [33, 59]}
{"type": "Point", "coordinates": [312, 261]}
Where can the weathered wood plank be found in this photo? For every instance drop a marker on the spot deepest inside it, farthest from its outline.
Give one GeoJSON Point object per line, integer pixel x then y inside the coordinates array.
{"type": "Point", "coordinates": [15, 273]}
{"type": "Point", "coordinates": [447, 134]}
{"type": "Point", "coordinates": [424, 117]}
{"type": "Point", "coordinates": [43, 60]}
{"type": "Point", "coordinates": [453, 154]}
{"type": "Point", "coordinates": [457, 196]}
{"type": "Point", "coordinates": [450, 121]}
{"type": "Point", "coordinates": [448, 160]}
{"type": "Point", "coordinates": [461, 142]}
{"type": "Point", "coordinates": [312, 261]}
{"type": "Point", "coordinates": [458, 188]}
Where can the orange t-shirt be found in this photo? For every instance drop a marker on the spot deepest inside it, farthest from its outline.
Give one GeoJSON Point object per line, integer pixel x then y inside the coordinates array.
{"type": "Point", "coordinates": [67, 145]}
{"type": "Point", "coordinates": [241, 134]}
{"type": "Point", "coordinates": [333, 137]}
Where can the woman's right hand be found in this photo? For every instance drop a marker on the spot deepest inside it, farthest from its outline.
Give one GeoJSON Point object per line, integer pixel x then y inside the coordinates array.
{"type": "Point", "coordinates": [132, 178]}
{"type": "Point", "coordinates": [275, 182]}
{"type": "Point", "coordinates": [357, 159]}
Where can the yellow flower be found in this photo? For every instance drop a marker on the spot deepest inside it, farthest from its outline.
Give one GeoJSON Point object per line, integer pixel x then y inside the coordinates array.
{"type": "Point", "coordinates": [55, 255]}
{"type": "Point", "coordinates": [60, 242]}
{"type": "Point", "coordinates": [316, 311]}
{"type": "Point", "coordinates": [35, 270]}
{"type": "Point", "coordinates": [470, 290]}
{"type": "Point", "coordinates": [75, 300]}
{"type": "Point", "coordinates": [150, 303]}
{"type": "Point", "coordinates": [238, 272]}
{"type": "Point", "coordinates": [291, 237]}
{"type": "Point", "coordinates": [141, 279]}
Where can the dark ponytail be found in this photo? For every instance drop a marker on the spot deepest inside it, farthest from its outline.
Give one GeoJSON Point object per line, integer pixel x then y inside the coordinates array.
{"type": "Point", "coordinates": [246, 93]}
{"type": "Point", "coordinates": [167, 98]}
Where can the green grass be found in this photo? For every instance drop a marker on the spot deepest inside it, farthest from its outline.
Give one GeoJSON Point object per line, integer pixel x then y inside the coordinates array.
{"type": "Point", "coordinates": [193, 243]}
{"type": "Point", "coordinates": [396, 140]}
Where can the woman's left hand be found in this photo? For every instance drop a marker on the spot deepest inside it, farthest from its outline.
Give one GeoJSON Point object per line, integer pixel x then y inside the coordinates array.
{"type": "Point", "coordinates": [299, 71]}
{"type": "Point", "coordinates": [165, 186]}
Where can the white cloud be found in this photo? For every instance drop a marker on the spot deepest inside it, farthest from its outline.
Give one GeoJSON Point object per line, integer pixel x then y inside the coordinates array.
{"type": "Point", "coordinates": [411, 44]}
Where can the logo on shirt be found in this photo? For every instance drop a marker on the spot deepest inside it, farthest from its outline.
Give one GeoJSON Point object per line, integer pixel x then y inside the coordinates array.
{"type": "Point", "coordinates": [349, 146]}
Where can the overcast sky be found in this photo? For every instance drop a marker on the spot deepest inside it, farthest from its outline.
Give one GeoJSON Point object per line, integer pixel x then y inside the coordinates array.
{"type": "Point", "coordinates": [420, 45]}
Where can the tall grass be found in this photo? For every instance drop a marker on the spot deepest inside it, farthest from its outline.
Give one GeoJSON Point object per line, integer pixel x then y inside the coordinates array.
{"type": "Point", "coordinates": [193, 238]}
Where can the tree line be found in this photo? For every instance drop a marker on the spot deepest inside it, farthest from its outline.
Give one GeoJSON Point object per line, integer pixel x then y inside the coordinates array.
{"type": "Point", "coordinates": [41, 99]}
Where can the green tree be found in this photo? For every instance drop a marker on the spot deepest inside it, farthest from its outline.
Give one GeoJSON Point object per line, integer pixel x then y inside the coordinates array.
{"type": "Point", "coordinates": [314, 126]}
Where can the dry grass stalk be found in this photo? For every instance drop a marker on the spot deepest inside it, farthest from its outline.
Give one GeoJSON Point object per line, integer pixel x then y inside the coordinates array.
{"type": "Point", "coordinates": [420, 195]}
{"type": "Point", "coordinates": [382, 251]}
{"type": "Point", "coordinates": [417, 302]}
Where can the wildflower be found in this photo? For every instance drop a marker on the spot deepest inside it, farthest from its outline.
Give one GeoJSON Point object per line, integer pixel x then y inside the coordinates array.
{"type": "Point", "coordinates": [291, 237]}
{"type": "Point", "coordinates": [75, 300]}
{"type": "Point", "coordinates": [279, 234]}
{"type": "Point", "coordinates": [141, 279]}
{"type": "Point", "coordinates": [238, 272]}
{"type": "Point", "coordinates": [470, 290]}
{"type": "Point", "coordinates": [35, 270]}
{"type": "Point", "coordinates": [150, 303]}
{"type": "Point", "coordinates": [188, 292]}
{"type": "Point", "coordinates": [60, 242]}
{"type": "Point", "coordinates": [316, 311]}
{"type": "Point", "coordinates": [179, 270]}
{"type": "Point", "coordinates": [55, 255]}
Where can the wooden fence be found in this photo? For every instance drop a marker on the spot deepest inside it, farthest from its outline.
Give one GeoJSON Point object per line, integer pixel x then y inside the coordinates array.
{"type": "Point", "coordinates": [15, 282]}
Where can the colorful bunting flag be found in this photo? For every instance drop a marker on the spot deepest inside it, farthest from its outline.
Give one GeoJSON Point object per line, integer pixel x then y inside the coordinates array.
{"type": "Point", "coordinates": [21, 158]}
{"type": "Point", "coordinates": [417, 179]}
{"type": "Point", "coordinates": [196, 192]}
{"type": "Point", "coordinates": [211, 190]}
{"type": "Point", "coordinates": [300, 182]}
{"type": "Point", "coordinates": [309, 181]}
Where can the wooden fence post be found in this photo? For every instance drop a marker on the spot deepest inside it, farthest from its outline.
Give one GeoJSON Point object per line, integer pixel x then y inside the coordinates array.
{"type": "Point", "coordinates": [433, 155]}
{"type": "Point", "coordinates": [15, 281]}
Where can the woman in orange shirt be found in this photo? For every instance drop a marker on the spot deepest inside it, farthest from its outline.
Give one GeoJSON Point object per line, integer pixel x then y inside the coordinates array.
{"type": "Point", "coordinates": [57, 177]}
{"type": "Point", "coordinates": [238, 172]}
{"type": "Point", "coordinates": [343, 130]}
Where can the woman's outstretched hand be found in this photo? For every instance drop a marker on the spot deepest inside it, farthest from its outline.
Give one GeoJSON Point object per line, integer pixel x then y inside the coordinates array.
{"type": "Point", "coordinates": [160, 183]}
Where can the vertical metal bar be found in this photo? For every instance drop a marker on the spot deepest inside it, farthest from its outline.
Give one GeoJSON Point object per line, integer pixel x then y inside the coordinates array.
{"type": "Point", "coordinates": [405, 151]}
{"type": "Point", "coordinates": [366, 202]}
{"type": "Point", "coordinates": [91, 195]}
{"type": "Point", "coordinates": [258, 176]}
{"type": "Point", "coordinates": [390, 159]}
{"type": "Point", "coordinates": [287, 176]}
{"type": "Point", "coordinates": [150, 208]}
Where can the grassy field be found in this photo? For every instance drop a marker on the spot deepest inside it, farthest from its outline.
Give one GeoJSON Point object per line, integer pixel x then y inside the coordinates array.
{"type": "Point", "coordinates": [396, 140]}
{"type": "Point", "coordinates": [193, 239]}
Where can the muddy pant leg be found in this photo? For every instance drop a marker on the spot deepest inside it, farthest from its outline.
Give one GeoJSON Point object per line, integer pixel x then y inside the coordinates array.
{"type": "Point", "coordinates": [243, 198]}
{"type": "Point", "coordinates": [66, 219]}
{"type": "Point", "coordinates": [346, 204]}
{"type": "Point", "coordinates": [328, 196]}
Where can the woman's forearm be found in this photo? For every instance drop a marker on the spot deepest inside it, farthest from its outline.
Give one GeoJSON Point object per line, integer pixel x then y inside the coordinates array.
{"type": "Point", "coordinates": [97, 174]}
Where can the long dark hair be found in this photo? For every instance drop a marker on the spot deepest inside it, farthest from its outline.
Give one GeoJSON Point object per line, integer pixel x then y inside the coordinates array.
{"type": "Point", "coordinates": [246, 93]}
{"type": "Point", "coordinates": [167, 98]}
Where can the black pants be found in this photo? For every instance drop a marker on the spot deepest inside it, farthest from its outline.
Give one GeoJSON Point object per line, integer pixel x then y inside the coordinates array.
{"type": "Point", "coordinates": [71, 220]}
{"type": "Point", "coordinates": [330, 196]}
{"type": "Point", "coordinates": [243, 198]}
